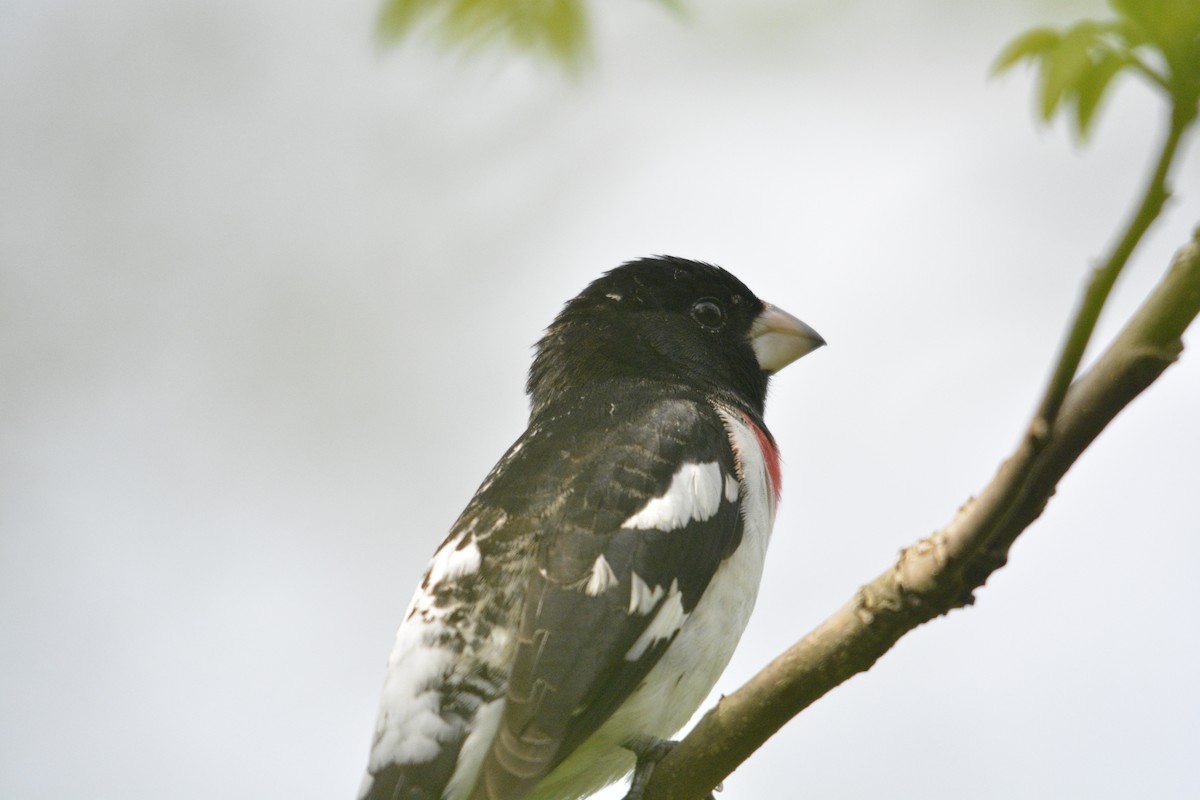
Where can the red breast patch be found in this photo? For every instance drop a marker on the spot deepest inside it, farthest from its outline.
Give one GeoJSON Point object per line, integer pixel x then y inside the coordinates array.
{"type": "Point", "coordinates": [770, 456]}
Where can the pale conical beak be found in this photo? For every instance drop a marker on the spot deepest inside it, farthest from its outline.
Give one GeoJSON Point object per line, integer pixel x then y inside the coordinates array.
{"type": "Point", "coordinates": [778, 339]}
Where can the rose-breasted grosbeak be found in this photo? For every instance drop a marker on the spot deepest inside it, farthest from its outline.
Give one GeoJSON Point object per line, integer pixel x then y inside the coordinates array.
{"type": "Point", "coordinates": [595, 587]}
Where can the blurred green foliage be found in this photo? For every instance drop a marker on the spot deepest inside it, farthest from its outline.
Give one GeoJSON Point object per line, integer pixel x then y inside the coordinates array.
{"type": "Point", "coordinates": [554, 28]}
{"type": "Point", "coordinates": [1158, 39]}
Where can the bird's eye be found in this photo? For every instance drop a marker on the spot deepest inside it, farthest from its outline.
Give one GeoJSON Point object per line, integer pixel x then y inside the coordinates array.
{"type": "Point", "coordinates": [708, 312]}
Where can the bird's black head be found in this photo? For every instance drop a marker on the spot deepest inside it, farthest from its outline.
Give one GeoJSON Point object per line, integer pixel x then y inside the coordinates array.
{"type": "Point", "coordinates": [666, 322]}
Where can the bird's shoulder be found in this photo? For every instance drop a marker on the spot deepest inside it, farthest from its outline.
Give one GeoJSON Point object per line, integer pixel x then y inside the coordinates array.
{"type": "Point", "coordinates": [596, 461]}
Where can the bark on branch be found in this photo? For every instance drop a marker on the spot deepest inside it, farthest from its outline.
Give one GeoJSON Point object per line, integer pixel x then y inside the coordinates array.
{"type": "Point", "coordinates": [941, 572]}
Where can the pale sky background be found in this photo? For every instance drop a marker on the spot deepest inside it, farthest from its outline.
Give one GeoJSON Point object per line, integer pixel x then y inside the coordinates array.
{"type": "Point", "coordinates": [267, 295]}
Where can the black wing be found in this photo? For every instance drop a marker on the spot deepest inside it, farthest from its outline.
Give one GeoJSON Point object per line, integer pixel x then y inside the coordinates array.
{"type": "Point", "coordinates": [636, 514]}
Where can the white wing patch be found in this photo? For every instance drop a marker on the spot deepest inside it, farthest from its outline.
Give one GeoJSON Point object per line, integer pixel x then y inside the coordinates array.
{"type": "Point", "coordinates": [732, 488]}
{"type": "Point", "coordinates": [694, 494]}
{"type": "Point", "coordinates": [600, 578]}
{"type": "Point", "coordinates": [666, 622]}
{"type": "Point", "coordinates": [642, 599]}
{"type": "Point", "coordinates": [454, 559]}
{"type": "Point", "coordinates": [410, 725]}
{"type": "Point", "coordinates": [475, 747]}
{"type": "Point", "coordinates": [411, 728]}
{"type": "Point", "coordinates": [460, 556]}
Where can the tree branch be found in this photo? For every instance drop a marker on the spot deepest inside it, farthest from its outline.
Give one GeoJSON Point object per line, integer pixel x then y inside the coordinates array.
{"type": "Point", "coordinates": [941, 572]}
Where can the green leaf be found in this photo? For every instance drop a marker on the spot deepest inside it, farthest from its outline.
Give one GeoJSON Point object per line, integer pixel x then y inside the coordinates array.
{"type": "Point", "coordinates": [554, 28]}
{"type": "Point", "coordinates": [1029, 45]}
{"type": "Point", "coordinates": [557, 28]}
{"type": "Point", "coordinates": [1092, 87]}
{"type": "Point", "coordinates": [396, 17]}
{"type": "Point", "coordinates": [1172, 26]}
{"type": "Point", "coordinates": [1065, 66]}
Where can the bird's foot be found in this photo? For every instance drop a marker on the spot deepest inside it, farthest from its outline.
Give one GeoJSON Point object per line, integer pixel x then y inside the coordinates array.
{"type": "Point", "coordinates": [649, 751]}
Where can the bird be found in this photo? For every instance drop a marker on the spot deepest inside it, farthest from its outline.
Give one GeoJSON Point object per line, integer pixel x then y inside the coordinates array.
{"type": "Point", "coordinates": [592, 591]}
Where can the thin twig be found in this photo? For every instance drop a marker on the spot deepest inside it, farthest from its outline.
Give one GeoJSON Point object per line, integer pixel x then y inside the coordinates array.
{"type": "Point", "coordinates": [1104, 277]}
